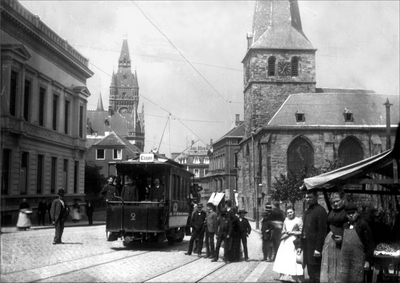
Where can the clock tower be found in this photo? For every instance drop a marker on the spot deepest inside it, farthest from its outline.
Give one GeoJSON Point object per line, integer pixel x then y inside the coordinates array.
{"type": "Point", "coordinates": [279, 61]}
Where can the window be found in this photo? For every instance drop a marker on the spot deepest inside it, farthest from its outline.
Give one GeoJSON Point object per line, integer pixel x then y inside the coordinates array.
{"type": "Point", "coordinates": [76, 176]}
{"type": "Point", "coordinates": [300, 117]}
{"type": "Point", "coordinates": [13, 93]}
{"type": "Point", "coordinates": [55, 112]}
{"type": "Point", "coordinates": [196, 172]}
{"type": "Point", "coordinates": [39, 174]}
{"type": "Point", "coordinates": [196, 160]}
{"type": "Point", "coordinates": [271, 66]}
{"type": "Point", "coordinates": [81, 121]}
{"type": "Point", "coordinates": [300, 155]}
{"type": "Point", "coordinates": [53, 176]}
{"type": "Point", "coordinates": [27, 97]}
{"type": "Point", "coordinates": [42, 94]}
{"type": "Point", "coordinates": [24, 173]}
{"type": "Point", "coordinates": [295, 66]}
{"type": "Point", "coordinates": [65, 174]}
{"type": "Point", "coordinates": [5, 172]}
{"type": "Point", "coordinates": [66, 117]}
{"type": "Point", "coordinates": [100, 154]}
{"type": "Point", "coordinates": [206, 160]}
{"type": "Point", "coordinates": [348, 115]}
{"type": "Point", "coordinates": [117, 154]}
{"type": "Point", "coordinates": [350, 151]}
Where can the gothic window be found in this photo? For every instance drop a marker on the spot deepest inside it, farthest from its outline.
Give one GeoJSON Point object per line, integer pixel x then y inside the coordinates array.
{"type": "Point", "coordinates": [271, 66]}
{"type": "Point", "coordinates": [350, 151]}
{"type": "Point", "coordinates": [295, 66]}
{"type": "Point", "coordinates": [299, 155]}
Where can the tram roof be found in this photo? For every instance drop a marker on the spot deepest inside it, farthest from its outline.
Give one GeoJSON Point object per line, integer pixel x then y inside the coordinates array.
{"type": "Point", "coordinates": [148, 158]}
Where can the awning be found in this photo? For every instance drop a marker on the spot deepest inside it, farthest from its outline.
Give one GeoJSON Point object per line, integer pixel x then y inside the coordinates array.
{"type": "Point", "coordinates": [357, 173]}
{"type": "Point", "coordinates": [216, 198]}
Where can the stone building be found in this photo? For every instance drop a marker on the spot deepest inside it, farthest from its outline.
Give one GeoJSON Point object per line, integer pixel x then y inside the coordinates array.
{"type": "Point", "coordinates": [289, 122]}
{"type": "Point", "coordinates": [122, 115]}
{"type": "Point", "coordinates": [43, 111]}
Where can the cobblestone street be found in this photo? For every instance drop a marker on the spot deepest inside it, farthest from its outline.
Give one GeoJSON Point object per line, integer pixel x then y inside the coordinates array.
{"type": "Point", "coordinates": [86, 256]}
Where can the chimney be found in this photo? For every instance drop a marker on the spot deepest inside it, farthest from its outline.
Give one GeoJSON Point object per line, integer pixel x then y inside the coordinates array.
{"type": "Point", "coordinates": [249, 39]}
{"type": "Point", "coordinates": [237, 121]}
{"type": "Point", "coordinates": [110, 111]}
{"type": "Point", "coordinates": [211, 142]}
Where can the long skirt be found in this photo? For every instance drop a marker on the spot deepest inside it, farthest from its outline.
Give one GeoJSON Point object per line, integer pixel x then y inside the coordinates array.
{"type": "Point", "coordinates": [285, 261]}
{"type": "Point", "coordinates": [23, 220]}
{"type": "Point", "coordinates": [75, 214]}
{"type": "Point", "coordinates": [330, 260]}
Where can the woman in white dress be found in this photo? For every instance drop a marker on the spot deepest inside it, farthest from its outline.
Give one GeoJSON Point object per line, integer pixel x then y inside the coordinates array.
{"type": "Point", "coordinates": [76, 211]}
{"type": "Point", "coordinates": [25, 211]}
{"type": "Point", "coordinates": [285, 261]}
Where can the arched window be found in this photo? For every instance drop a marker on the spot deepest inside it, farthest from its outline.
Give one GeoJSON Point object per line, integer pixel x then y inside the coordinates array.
{"type": "Point", "coordinates": [299, 155]}
{"type": "Point", "coordinates": [350, 151]}
{"type": "Point", "coordinates": [295, 66]}
{"type": "Point", "coordinates": [271, 66]}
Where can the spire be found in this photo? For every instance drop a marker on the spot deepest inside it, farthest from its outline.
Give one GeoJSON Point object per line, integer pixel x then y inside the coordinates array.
{"type": "Point", "coordinates": [277, 24]}
{"type": "Point", "coordinates": [124, 59]}
{"type": "Point", "coordinates": [100, 104]}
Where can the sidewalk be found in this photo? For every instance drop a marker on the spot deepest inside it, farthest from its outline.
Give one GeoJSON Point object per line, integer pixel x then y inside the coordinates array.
{"type": "Point", "coordinates": [13, 229]}
{"type": "Point", "coordinates": [253, 226]}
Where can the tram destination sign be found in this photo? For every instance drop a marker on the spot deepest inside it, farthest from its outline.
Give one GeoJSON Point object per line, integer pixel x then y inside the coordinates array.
{"type": "Point", "coordinates": [146, 157]}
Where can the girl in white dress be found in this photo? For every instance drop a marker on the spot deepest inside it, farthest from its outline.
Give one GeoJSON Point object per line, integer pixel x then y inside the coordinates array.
{"type": "Point", "coordinates": [285, 261]}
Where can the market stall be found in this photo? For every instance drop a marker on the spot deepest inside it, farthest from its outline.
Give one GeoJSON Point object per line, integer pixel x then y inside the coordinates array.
{"type": "Point", "coordinates": [379, 176]}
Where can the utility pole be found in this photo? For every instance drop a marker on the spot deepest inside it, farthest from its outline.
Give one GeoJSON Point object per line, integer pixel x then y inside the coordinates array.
{"type": "Point", "coordinates": [388, 142]}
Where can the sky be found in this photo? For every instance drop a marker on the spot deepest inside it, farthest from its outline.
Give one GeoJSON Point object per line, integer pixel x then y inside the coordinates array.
{"type": "Point", "coordinates": [187, 55]}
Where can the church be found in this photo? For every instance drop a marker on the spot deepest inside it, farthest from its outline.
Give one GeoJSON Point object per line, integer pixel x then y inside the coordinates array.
{"type": "Point", "coordinates": [290, 122]}
{"type": "Point", "coordinates": [122, 116]}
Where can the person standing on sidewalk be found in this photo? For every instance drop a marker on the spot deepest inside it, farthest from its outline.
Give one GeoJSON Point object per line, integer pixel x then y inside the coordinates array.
{"type": "Point", "coordinates": [224, 232]}
{"type": "Point", "coordinates": [267, 233]}
{"type": "Point", "coordinates": [244, 230]}
{"type": "Point", "coordinates": [198, 221]}
{"type": "Point", "coordinates": [277, 217]}
{"type": "Point", "coordinates": [25, 211]}
{"type": "Point", "coordinates": [41, 212]}
{"type": "Point", "coordinates": [313, 235]}
{"type": "Point", "coordinates": [89, 212]}
{"type": "Point", "coordinates": [211, 228]}
{"type": "Point", "coordinates": [59, 212]}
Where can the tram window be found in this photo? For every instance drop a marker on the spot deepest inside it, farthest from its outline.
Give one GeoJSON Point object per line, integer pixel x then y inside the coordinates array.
{"type": "Point", "coordinates": [178, 187]}
{"type": "Point", "coordinates": [173, 186]}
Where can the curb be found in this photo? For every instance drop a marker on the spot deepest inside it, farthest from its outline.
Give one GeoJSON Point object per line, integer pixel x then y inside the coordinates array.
{"type": "Point", "coordinates": [13, 229]}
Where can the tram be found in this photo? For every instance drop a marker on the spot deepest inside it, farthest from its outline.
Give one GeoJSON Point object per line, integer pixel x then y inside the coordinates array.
{"type": "Point", "coordinates": [146, 220]}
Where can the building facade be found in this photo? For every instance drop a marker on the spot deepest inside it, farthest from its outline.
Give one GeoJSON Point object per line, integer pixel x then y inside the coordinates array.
{"type": "Point", "coordinates": [43, 111]}
{"type": "Point", "coordinates": [289, 122]}
{"type": "Point", "coordinates": [122, 115]}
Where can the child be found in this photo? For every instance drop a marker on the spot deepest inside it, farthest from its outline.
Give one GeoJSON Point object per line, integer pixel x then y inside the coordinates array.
{"type": "Point", "coordinates": [267, 233]}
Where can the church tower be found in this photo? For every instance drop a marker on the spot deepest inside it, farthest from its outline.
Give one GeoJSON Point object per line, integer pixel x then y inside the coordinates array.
{"type": "Point", "coordinates": [124, 89]}
{"type": "Point", "coordinates": [279, 61]}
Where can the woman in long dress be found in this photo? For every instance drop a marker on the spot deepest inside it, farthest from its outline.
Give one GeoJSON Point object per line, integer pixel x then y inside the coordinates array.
{"type": "Point", "coordinates": [25, 211]}
{"type": "Point", "coordinates": [76, 212]}
{"type": "Point", "coordinates": [333, 242]}
{"type": "Point", "coordinates": [285, 261]}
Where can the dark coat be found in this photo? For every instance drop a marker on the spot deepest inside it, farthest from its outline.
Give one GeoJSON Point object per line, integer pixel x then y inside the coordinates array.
{"type": "Point", "coordinates": [198, 219]}
{"type": "Point", "coordinates": [89, 209]}
{"type": "Point", "coordinates": [364, 233]}
{"type": "Point", "coordinates": [224, 226]}
{"type": "Point", "coordinates": [130, 193]}
{"type": "Point", "coordinates": [267, 229]}
{"type": "Point", "coordinates": [42, 207]}
{"type": "Point", "coordinates": [58, 212]}
{"type": "Point", "coordinates": [157, 193]}
{"type": "Point", "coordinates": [314, 231]}
{"type": "Point", "coordinates": [243, 226]}
{"type": "Point", "coordinates": [108, 192]}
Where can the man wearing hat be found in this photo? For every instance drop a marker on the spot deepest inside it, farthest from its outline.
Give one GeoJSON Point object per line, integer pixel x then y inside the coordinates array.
{"type": "Point", "coordinates": [198, 221]}
{"type": "Point", "coordinates": [59, 212]}
{"type": "Point", "coordinates": [244, 231]}
{"type": "Point", "coordinates": [211, 228]}
{"type": "Point", "coordinates": [267, 232]}
{"type": "Point", "coordinates": [357, 247]}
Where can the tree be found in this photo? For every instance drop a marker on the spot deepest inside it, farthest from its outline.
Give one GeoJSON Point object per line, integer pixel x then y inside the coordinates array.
{"type": "Point", "coordinates": [94, 181]}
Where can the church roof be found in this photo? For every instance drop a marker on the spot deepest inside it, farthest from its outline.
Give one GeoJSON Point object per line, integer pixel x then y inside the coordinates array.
{"type": "Point", "coordinates": [102, 122]}
{"type": "Point", "coordinates": [329, 109]}
{"type": "Point", "coordinates": [124, 76]}
{"type": "Point", "coordinates": [100, 106]}
{"type": "Point", "coordinates": [277, 25]}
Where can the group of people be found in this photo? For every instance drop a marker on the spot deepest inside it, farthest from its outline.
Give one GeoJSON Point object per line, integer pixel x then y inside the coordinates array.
{"type": "Point", "coordinates": [334, 247]}
{"type": "Point", "coordinates": [131, 191]}
{"type": "Point", "coordinates": [230, 228]}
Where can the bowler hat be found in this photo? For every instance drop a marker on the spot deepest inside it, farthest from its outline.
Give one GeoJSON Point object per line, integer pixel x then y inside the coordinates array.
{"type": "Point", "coordinates": [61, 192]}
{"type": "Point", "coordinates": [350, 207]}
{"type": "Point", "coordinates": [242, 211]}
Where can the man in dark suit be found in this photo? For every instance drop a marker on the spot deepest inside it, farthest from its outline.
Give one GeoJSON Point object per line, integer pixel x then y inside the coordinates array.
{"type": "Point", "coordinates": [197, 223]}
{"type": "Point", "coordinates": [244, 231]}
{"type": "Point", "coordinates": [157, 191]}
{"type": "Point", "coordinates": [224, 231]}
{"type": "Point", "coordinates": [59, 212]}
{"type": "Point", "coordinates": [129, 190]}
{"type": "Point", "coordinates": [41, 211]}
{"type": "Point", "coordinates": [313, 235]}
